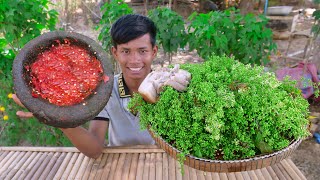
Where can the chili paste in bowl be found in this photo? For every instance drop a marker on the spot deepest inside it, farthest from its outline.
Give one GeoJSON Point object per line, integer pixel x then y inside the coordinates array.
{"type": "Point", "coordinates": [64, 78]}
{"type": "Point", "coordinates": [65, 75]}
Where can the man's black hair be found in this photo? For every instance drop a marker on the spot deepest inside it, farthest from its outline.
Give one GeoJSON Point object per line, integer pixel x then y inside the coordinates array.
{"type": "Point", "coordinates": [132, 26]}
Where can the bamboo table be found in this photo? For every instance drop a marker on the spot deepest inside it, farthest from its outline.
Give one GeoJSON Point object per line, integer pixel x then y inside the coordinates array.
{"type": "Point", "coordinates": [134, 162]}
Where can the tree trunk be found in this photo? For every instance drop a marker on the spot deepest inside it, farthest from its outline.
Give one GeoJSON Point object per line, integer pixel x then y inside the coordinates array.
{"type": "Point", "coordinates": [85, 12]}
{"type": "Point", "coordinates": [145, 2]}
{"type": "Point", "coordinates": [66, 11]}
{"type": "Point", "coordinates": [175, 4]}
{"type": "Point", "coordinates": [246, 6]}
{"type": "Point", "coordinates": [201, 7]}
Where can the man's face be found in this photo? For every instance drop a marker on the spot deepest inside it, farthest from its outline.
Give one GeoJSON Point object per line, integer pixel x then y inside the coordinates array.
{"type": "Point", "coordinates": [135, 57]}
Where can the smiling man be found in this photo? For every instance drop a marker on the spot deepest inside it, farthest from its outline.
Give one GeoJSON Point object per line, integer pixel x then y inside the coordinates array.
{"type": "Point", "coordinates": [134, 49]}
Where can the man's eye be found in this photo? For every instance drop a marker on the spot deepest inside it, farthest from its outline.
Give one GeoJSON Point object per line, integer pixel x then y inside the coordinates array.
{"type": "Point", "coordinates": [125, 51]}
{"type": "Point", "coordinates": [143, 51]}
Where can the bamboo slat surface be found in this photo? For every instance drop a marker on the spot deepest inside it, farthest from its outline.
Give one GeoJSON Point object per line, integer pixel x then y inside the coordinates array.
{"type": "Point", "coordinates": [134, 162]}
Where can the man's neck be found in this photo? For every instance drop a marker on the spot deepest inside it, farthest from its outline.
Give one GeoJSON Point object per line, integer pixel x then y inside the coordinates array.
{"type": "Point", "coordinates": [132, 84]}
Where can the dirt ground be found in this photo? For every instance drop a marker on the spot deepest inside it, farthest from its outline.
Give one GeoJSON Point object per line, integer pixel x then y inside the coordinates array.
{"type": "Point", "coordinates": [307, 155]}
{"type": "Point", "coordinates": [307, 158]}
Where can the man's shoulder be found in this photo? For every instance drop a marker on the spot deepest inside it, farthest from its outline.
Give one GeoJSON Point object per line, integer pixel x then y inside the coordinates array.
{"type": "Point", "coordinates": [116, 76]}
{"type": "Point", "coordinates": [115, 88]}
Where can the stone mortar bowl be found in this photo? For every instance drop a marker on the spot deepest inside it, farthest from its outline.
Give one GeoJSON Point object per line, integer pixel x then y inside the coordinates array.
{"type": "Point", "coordinates": [50, 114]}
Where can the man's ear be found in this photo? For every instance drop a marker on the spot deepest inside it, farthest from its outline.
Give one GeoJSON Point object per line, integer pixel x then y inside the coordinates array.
{"type": "Point", "coordinates": [114, 52]}
{"type": "Point", "coordinates": [155, 51]}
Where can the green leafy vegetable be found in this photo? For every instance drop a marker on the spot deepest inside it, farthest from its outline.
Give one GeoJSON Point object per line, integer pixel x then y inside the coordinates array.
{"type": "Point", "coordinates": [229, 111]}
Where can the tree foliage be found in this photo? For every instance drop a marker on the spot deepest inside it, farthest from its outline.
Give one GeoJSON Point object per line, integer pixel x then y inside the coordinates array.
{"type": "Point", "coordinates": [171, 32]}
{"type": "Point", "coordinates": [230, 33]}
{"type": "Point", "coordinates": [111, 12]}
{"type": "Point", "coordinates": [316, 26]}
{"type": "Point", "coordinates": [20, 22]}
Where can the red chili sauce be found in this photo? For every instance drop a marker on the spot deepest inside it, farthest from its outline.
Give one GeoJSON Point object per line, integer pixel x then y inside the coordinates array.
{"type": "Point", "coordinates": [65, 74]}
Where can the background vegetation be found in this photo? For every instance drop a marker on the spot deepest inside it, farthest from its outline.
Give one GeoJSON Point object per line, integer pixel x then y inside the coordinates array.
{"type": "Point", "coordinates": [171, 33]}
{"type": "Point", "coordinates": [21, 21]}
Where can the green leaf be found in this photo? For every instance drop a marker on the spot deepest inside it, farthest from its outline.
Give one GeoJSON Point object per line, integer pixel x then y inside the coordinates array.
{"type": "Point", "coordinates": [40, 26]}
{"type": "Point", "coordinates": [261, 145]}
{"type": "Point", "coordinates": [316, 14]}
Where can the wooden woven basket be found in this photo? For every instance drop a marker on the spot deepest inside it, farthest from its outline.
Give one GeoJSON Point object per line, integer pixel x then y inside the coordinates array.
{"type": "Point", "coordinates": [253, 163]}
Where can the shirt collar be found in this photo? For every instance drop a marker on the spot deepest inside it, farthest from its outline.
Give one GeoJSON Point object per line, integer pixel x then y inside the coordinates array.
{"type": "Point", "coordinates": [123, 88]}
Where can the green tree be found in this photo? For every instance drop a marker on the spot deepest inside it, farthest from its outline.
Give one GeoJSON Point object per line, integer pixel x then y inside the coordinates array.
{"type": "Point", "coordinates": [316, 15]}
{"type": "Point", "coordinates": [170, 30]}
{"type": "Point", "coordinates": [111, 12]}
{"type": "Point", "coordinates": [243, 36]}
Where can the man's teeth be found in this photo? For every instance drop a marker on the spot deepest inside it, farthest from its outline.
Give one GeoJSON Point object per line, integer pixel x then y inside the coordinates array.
{"type": "Point", "coordinates": [135, 69]}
